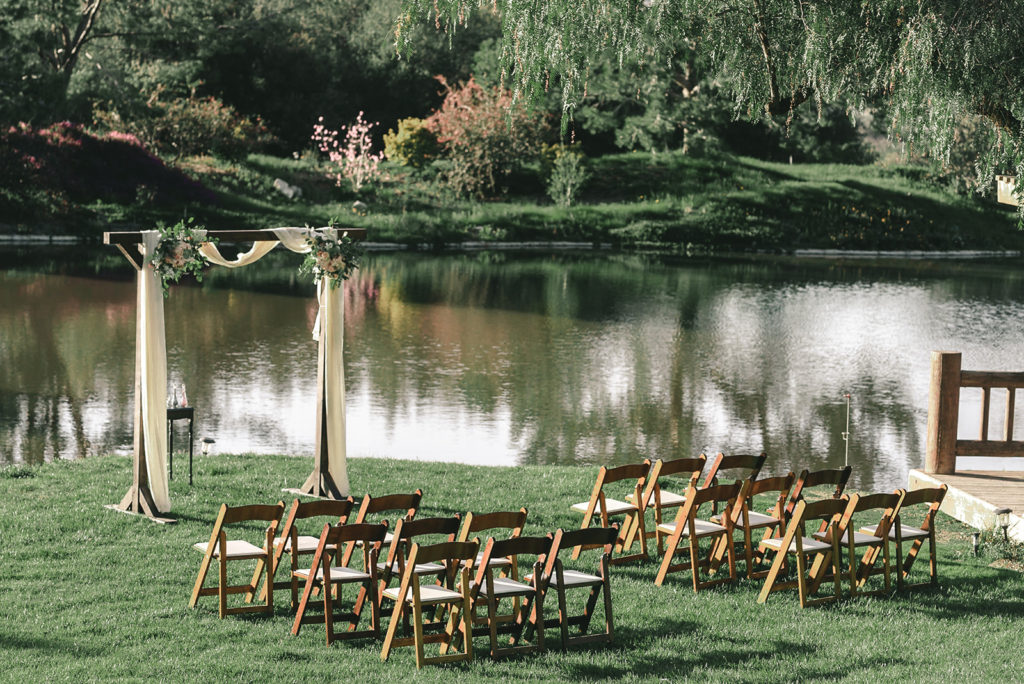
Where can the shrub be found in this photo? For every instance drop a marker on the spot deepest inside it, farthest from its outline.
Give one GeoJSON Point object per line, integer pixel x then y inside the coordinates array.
{"type": "Point", "coordinates": [190, 126]}
{"type": "Point", "coordinates": [355, 161]}
{"type": "Point", "coordinates": [413, 145]}
{"type": "Point", "coordinates": [46, 172]}
{"type": "Point", "coordinates": [568, 174]}
{"type": "Point", "coordinates": [485, 136]}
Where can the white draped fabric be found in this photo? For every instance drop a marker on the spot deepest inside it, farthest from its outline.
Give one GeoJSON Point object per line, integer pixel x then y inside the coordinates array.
{"type": "Point", "coordinates": [153, 345]}
{"type": "Point", "coordinates": [330, 322]}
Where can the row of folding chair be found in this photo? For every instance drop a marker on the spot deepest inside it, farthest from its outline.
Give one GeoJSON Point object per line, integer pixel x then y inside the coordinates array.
{"type": "Point", "coordinates": [427, 575]}
{"type": "Point", "coordinates": [838, 533]}
{"type": "Point", "coordinates": [706, 540]}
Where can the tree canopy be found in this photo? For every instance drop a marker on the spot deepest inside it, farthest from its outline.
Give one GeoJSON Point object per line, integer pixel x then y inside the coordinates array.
{"type": "Point", "coordinates": [931, 63]}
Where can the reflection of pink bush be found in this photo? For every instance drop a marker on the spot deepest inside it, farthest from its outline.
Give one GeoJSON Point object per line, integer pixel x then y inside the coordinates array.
{"type": "Point", "coordinates": [354, 159]}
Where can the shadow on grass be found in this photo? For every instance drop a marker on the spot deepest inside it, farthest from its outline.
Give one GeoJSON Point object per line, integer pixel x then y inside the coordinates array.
{"type": "Point", "coordinates": [50, 644]}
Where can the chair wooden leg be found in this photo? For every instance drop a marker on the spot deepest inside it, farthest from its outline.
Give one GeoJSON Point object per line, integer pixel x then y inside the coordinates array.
{"type": "Point", "coordinates": [396, 618]}
{"type": "Point", "coordinates": [222, 594]}
{"type": "Point", "coordinates": [417, 617]}
{"type": "Point", "coordinates": [563, 616]}
{"type": "Point", "coordinates": [328, 604]}
{"type": "Point", "coordinates": [772, 577]}
{"type": "Point", "coordinates": [204, 568]}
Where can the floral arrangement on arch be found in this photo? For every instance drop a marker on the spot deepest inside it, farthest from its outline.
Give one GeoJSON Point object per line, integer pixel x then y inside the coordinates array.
{"type": "Point", "coordinates": [333, 258]}
{"type": "Point", "coordinates": [177, 253]}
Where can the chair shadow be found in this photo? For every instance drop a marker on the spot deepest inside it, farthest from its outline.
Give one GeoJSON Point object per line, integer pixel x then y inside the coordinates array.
{"type": "Point", "coordinates": [50, 645]}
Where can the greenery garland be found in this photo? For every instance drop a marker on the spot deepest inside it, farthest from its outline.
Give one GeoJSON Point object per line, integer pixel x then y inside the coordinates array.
{"type": "Point", "coordinates": [177, 253]}
{"type": "Point", "coordinates": [331, 257]}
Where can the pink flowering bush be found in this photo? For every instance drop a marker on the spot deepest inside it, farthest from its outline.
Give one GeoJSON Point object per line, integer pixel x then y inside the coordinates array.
{"type": "Point", "coordinates": [485, 136]}
{"type": "Point", "coordinates": [352, 154]}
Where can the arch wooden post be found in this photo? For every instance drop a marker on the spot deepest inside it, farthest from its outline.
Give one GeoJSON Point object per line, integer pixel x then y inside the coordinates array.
{"type": "Point", "coordinates": [320, 483]}
{"type": "Point", "coordinates": [943, 413]}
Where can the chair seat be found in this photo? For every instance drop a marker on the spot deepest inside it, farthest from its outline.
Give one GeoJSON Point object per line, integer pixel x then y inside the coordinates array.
{"type": "Point", "coordinates": [337, 574]}
{"type": "Point", "coordinates": [421, 568]}
{"type": "Point", "coordinates": [756, 520]}
{"type": "Point", "coordinates": [237, 548]}
{"type": "Point", "coordinates": [859, 538]}
{"type": "Point", "coordinates": [387, 540]}
{"type": "Point", "coordinates": [494, 562]}
{"type": "Point", "coordinates": [703, 528]}
{"type": "Point", "coordinates": [573, 578]}
{"type": "Point", "coordinates": [307, 544]}
{"type": "Point", "coordinates": [668, 499]}
{"type": "Point", "coordinates": [504, 586]}
{"type": "Point", "coordinates": [906, 532]}
{"type": "Point", "coordinates": [428, 594]}
{"type": "Point", "coordinates": [615, 507]}
{"type": "Point", "coordinates": [809, 544]}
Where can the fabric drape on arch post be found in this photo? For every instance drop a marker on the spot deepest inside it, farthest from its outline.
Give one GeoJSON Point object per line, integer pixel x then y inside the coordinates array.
{"type": "Point", "coordinates": [149, 491]}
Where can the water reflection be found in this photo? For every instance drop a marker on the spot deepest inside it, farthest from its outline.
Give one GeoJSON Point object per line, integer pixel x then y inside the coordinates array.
{"type": "Point", "coordinates": [493, 358]}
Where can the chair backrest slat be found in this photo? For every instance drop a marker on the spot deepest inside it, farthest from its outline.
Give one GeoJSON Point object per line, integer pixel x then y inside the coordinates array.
{"type": "Point", "coordinates": [453, 550]}
{"type": "Point", "coordinates": [233, 514]}
{"type": "Point", "coordinates": [368, 533]}
{"type": "Point", "coordinates": [736, 461]}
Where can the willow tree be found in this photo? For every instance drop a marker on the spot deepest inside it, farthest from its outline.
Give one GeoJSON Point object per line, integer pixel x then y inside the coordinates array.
{"type": "Point", "coordinates": [932, 62]}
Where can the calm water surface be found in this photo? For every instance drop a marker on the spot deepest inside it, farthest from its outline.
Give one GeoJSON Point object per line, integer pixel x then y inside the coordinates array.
{"type": "Point", "coordinates": [512, 359]}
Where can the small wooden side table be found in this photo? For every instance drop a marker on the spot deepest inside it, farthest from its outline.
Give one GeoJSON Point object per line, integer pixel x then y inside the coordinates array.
{"type": "Point", "coordinates": [180, 413]}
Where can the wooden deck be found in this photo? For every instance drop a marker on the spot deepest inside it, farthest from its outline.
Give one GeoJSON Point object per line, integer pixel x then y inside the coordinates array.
{"type": "Point", "coordinates": [976, 497]}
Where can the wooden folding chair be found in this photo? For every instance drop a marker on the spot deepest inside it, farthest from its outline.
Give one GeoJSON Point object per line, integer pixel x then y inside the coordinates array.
{"type": "Point", "coordinates": [835, 514]}
{"type": "Point", "coordinates": [295, 544]}
{"type": "Point", "coordinates": [411, 596]}
{"type": "Point", "coordinates": [662, 499]}
{"type": "Point", "coordinates": [405, 505]}
{"type": "Point", "coordinates": [900, 533]}
{"type": "Point", "coordinates": [746, 520]}
{"type": "Point", "coordinates": [325, 577]}
{"type": "Point", "coordinates": [750, 465]}
{"type": "Point", "coordinates": [223, 550]}
{"type": "Point", "coordinates": [555, 575]}
{"type": "Point", "coordinates": [836, 478]}
{"type": "Point", "coordinates": [860, 571]}
{"type": "Point", "coordinates": [512, 521]}
{"type": "Point", "coordinates": [604, 507]}
{"type": "Point", "coordinates": [489, 587]}
{"type": "Point", "coordinates": [687, 524]}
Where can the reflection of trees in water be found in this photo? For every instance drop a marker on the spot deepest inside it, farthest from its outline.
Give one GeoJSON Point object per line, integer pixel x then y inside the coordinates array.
{"type": "Point", "coordinates": [582, 357]}
{"type": "Point", "coordinates": [612, 360]}
{"type": "Point", "coordinates": [59, 336]}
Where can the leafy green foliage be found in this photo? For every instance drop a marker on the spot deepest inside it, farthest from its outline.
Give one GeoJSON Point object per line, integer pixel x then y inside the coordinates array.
{"type": "Point", "coordinates": [567, 175]}
{"type": "Point", "coordinates": [190, 126]}
{"type": "Point", "coordinates": [415, 144]}
{"type": "Point", "coordinates": [931, 63]}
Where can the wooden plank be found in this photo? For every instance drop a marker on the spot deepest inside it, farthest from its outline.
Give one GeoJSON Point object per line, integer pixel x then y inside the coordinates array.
{"type": "Point", "coordinates": [991, 379]}
{"type": "Point", "coordinates": [134, 237]}
{"type": "Point", "coordinates": [943, 412]}
{"type": "Point", "coordinates": [968, 447]}
{"type": "Point", "coordinates": [1011, 398]}
{"type": "Point", "coordinates": [986, 401]}
{"type": "Point", "coordinates": [980, 498]}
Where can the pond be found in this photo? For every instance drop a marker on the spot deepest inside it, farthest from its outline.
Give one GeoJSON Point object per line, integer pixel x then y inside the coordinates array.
{"type": "Point", "coordinates": [504, 359]}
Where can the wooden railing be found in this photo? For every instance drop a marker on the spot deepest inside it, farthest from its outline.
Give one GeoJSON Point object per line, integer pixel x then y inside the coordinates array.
{"type": "Point", "coordinates": [944, 413]}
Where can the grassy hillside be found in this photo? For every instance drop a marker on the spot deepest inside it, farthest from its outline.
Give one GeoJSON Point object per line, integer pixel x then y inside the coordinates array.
{"type": "Point", "coordinates": [74, 183]}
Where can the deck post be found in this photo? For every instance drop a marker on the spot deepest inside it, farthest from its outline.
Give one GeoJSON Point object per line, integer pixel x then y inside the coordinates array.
{"type": "Point", "coordinates": [943, 413]}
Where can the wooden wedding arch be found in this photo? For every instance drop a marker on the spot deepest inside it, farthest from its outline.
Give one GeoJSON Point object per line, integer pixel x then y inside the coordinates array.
{"type": "Point", "coordinates": [139, 498]}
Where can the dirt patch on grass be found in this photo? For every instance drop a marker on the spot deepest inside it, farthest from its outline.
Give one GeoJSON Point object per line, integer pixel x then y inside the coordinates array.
{"type": "Point", "coordinates": [1007, 564]}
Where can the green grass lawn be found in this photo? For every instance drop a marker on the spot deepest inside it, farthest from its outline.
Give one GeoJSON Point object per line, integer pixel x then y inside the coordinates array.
{"type": "Point", "coordinates": [88, 593]}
